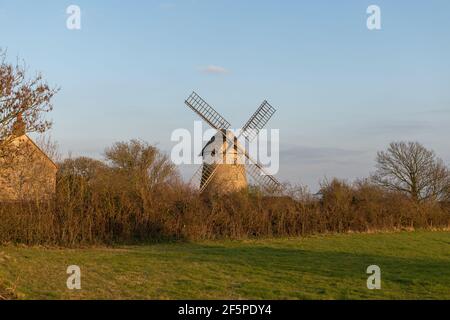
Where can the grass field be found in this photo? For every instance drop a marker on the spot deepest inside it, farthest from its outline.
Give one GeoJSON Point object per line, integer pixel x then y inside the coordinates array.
{"type": "Point", "coordinates": [413, 266]}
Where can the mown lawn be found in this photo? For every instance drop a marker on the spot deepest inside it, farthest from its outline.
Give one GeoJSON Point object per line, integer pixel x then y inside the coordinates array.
{"type": "Point", "coordinates": [413, 266]}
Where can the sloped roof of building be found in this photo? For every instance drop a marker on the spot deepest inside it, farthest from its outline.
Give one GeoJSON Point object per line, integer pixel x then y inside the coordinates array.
{"type": "Point", "coordinates": [37, 148]}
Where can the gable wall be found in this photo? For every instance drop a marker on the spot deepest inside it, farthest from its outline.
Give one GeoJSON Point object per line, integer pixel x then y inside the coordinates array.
{"type": "Point", "coordinates": [28, 175]}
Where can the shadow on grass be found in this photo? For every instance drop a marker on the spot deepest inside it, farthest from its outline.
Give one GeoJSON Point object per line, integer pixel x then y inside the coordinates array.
{"type": "Point", "coordinates": [280, 261]}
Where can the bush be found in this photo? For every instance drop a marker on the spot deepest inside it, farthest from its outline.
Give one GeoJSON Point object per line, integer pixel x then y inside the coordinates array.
{"type": "Point", "coordinates": [108, 203]}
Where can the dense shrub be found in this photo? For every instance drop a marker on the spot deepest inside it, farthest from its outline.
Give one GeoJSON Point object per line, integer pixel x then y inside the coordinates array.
{"type": "Point", "coordinates": [110, 209]}
{"type": "Point", "coordinates": [136, 196]}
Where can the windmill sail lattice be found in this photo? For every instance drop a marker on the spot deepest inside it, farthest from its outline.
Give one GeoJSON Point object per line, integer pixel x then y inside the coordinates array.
{"type": "Point", "coordinates": [206, 112]}
{"type": "Point", "coordinates": [258, 121]}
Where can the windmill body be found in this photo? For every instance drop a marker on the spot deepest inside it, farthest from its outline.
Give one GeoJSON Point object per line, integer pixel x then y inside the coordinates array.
{"type": "Point", "coordinates": [226, 163]}
{"type": "Point", "coordinates": [222, 153]}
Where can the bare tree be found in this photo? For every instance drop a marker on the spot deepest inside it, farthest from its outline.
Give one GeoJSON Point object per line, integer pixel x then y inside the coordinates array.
{"type": "Point", "coordinates": [411, 168]}
{"type": "Point", "coordinates": [82, 167]}
{"type": "Point", "coordinates": [141, 162]}
{"type": "Point", "coordinates": [24, 98]}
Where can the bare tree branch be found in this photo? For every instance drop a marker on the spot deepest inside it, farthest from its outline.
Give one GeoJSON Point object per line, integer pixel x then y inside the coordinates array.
{"type": "Point", "coordinates": [410, 168]}
{"type": "Point", "coordinates": [19, 95]}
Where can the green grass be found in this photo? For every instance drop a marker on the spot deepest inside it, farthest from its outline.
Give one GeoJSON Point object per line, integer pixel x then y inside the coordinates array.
{"type": "Point", "coordinates": [413, 266]}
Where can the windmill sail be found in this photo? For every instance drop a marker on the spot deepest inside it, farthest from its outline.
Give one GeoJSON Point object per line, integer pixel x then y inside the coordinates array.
{"type": "Point", "coordinates": [267, 182]}
{"type": "Point", "coordinates": [206, 112]}
{"type": "Point", "coordinates": [258, 120]}
{"type": "Point", "coordinates": [203, 176]}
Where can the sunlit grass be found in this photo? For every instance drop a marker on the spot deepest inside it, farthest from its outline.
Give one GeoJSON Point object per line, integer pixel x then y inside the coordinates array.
{"type": "Point", "coordinates": [414, 266]}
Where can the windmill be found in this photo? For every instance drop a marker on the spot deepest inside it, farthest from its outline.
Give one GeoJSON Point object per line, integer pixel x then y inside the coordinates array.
{"type": "Point", "coordinates": [226, 163]}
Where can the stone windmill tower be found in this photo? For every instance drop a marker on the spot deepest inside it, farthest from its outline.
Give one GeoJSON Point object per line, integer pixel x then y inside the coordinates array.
{"type": "Point", "coordinates": [226, 163]}
{"type": "Point", "coordinates": [230, 173]}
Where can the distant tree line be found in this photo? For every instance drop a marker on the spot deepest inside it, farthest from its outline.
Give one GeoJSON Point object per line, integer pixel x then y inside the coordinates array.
{"type": "Point", "coordinates": [135, 195]}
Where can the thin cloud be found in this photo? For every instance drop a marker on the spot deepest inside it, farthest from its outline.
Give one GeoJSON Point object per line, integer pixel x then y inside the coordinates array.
{"type": "Point", "coordinates": [397, 127]}
{"type": "Point", "coordinates": [435, 111]}
{"type": "Point", "coordinates": [316, 155]}
{"type": "Point", "coordinates": [212, 69]}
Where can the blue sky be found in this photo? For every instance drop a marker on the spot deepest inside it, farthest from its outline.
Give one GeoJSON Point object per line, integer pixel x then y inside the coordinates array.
{"type": "Point", "coordinates": [342, 92]}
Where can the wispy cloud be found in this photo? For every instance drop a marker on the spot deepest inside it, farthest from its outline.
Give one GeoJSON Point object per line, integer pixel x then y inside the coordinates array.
{"type": "Point", "coordinates": [397, 127]}
{"type": "Point", "coordinates": [435, 111]}
{"type": "Point", "coordinates": [310, 165]}
{"type": "Point", "coordinates": [306, 155]}
{"type": "Point", "coordinates": [212, 69]}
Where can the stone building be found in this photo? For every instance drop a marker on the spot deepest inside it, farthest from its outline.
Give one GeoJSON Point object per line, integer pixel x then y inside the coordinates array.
{"type": "Point", "coordinates": [230, 174]}
{"type": "Point", "coordinates": [26, 172]}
